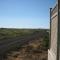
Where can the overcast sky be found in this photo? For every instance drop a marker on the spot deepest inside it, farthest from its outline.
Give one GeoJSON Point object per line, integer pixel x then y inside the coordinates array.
{"type": "Point", "coordinates": [25, 13]}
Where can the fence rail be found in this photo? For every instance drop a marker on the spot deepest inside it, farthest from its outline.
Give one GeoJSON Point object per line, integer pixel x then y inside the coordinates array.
{"type": "Point", "coordinates": [54, 10]}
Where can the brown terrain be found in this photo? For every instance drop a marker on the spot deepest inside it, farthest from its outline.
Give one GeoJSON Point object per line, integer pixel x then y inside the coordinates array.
{"type": "Point", "coordinates": [31, 47]}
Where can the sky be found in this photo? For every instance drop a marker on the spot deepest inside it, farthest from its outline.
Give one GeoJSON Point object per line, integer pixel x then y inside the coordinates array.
{"type": "Point", "coordinates": [25, 13]}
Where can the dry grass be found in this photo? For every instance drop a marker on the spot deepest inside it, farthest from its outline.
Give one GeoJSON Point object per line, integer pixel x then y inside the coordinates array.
{"type": "Point", "coordinates": [32, 51]}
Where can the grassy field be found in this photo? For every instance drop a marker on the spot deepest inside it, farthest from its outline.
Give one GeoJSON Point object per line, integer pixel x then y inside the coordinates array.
{"type": "Point", "coordinates": [34, 50]}
{"type": "Point", "coordinates": [10, 33]}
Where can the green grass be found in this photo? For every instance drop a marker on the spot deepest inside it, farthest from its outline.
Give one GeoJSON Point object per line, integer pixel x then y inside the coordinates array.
{"type": "Point", "coordinates": [10, 33]}
{"type": "Point", "coordinates": [6, 33]}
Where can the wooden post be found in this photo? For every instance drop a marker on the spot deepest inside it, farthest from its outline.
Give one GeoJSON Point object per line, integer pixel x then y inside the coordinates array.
{"type": "Point", "coordinates": [50, 30]}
